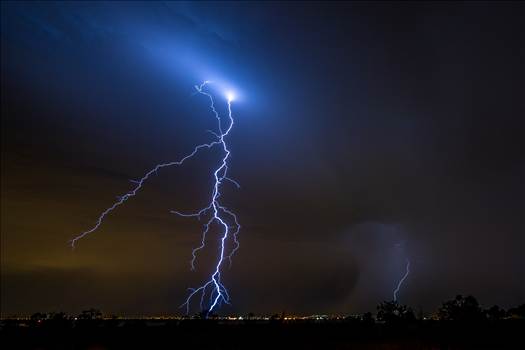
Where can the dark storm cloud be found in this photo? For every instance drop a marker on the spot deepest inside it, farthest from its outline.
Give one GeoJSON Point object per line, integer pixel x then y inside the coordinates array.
{"type": "Point", "coordinates": [369, 133]}
{"type": "Point", "coordinates": [74, 289]}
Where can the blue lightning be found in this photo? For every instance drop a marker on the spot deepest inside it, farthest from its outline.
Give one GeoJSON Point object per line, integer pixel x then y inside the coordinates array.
{"type": "Point", "coordinates": [400, 283]}
{"type": "Point", "coordinates": [218, 213]}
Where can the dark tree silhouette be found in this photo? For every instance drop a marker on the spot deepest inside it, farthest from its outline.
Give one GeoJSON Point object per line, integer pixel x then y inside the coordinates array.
{"type": "Point", "coordinates": [461, 309]}
{"type": "Point", "coordinates": [203, 314]}
{"type": "Point", "coordinates": [37, 319]}
{"type": "Point", "coordinates": [91, 314]}
{"type": "Point", "coordinates": [517, 312]}
{"type": "Point", "coordinates": [495, 313]}
{"type": "Point", "coordinates": [367, 318]}
{"type": "Point", "coordinates": [276, 318]}
{"type": "Point", "coordinates": [57, 320]}
{"type": "Point", "coordinates": [38, 316]}
{"type": "Point", "coordinates": [391, 311]}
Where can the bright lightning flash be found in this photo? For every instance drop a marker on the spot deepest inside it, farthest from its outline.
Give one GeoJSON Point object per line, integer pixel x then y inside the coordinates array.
{"type": "Point", "coordinates": [400, 283]}
{"type": "Point", "coordinates": [230, 96]}
{"type": "Point", "coordinates": [218, 215]}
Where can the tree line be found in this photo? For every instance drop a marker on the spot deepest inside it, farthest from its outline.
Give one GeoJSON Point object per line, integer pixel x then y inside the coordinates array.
{"type": "Point", "coordinates": [460, 309]}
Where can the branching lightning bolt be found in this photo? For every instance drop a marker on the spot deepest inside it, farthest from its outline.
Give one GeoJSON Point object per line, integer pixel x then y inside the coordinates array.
{"type": "Point", "coordinates": [218, 214]}
{"type": "Point", "coordinates": [400, 283]}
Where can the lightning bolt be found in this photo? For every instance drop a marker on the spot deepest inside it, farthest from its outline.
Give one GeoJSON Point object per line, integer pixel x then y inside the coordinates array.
{"type": "Point", "coordinates": [400, 283]}
{"type": "Point", "coordinates": [218, 214]}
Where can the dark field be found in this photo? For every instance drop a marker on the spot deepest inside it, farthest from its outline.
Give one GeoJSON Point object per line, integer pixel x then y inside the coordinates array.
{"type": "Point", "coordinates": [216, 334]}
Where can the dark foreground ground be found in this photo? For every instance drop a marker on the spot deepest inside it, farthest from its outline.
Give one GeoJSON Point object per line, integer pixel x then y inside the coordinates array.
{"type": "Point", "coordinates": [212, 334]}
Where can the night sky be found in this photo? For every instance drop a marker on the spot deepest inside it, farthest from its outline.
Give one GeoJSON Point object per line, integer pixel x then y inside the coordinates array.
{"type": "Point", "coordinates": [366, 134]}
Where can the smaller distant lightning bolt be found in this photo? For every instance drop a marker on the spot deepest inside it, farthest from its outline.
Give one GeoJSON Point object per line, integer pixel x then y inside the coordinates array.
{"type": "Point", "coordinates": [400, 283]}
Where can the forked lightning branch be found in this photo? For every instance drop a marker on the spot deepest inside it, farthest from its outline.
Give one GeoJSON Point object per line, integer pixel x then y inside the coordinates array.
{"type": "Point", "coordinates": [212, 293]}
